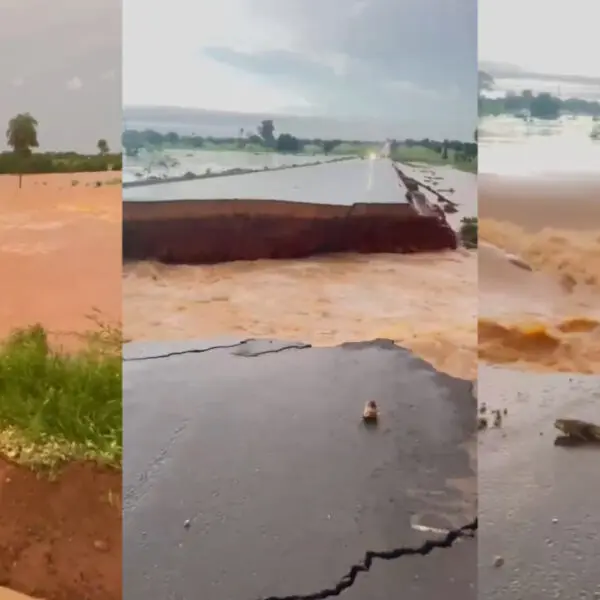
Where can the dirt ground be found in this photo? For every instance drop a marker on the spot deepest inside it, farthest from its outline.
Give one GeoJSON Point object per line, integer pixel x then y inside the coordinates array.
{"type": "Point", "coordinates": [61, 539]}
{"type": "Point", "coordinates": [545, 317]}
{"type": "Point", "coordinates": [60, 252]}
{"type": "Point", "coordinates": [60, 263]}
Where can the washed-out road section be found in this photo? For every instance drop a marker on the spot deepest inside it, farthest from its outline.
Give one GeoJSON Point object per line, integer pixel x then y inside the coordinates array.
{"type": "Point", "coordinates": [350, 206]}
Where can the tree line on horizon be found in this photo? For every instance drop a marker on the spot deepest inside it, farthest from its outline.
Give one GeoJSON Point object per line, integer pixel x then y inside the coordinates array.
{"type": "Point", "coordinates": [22, 139]}
{"type": "Point", "coordinates": [542, 105]}
{"type": "Point", "coordinates": [265, 138]}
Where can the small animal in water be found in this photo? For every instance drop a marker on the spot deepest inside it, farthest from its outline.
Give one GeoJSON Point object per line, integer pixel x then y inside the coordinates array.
{"type": "Point", "coordinates": [370, 413]}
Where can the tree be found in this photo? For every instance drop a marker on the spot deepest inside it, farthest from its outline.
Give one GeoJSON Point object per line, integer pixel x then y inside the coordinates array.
{"type": "Point", "coordinates": [329, 145]}
{"type": "Point", "coordinates": [21, 136]}
{"type": "Point", "coordinates": [445, 150]}
{"type": "Point", "coordinates": [266, 130]}
{"type": "Point", "coordinates": [545, 106]}
{"type": "Point", "coordinates": [102, 146]}
{"type": "Point", "coordinates": [288, 143]}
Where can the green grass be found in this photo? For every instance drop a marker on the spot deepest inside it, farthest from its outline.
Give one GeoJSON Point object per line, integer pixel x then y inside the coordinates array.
{"type": "Point", "coordinates": [56, 407]}
{"type": "Point", "coordinates": [469, 232]}
{"type": "Point", "coordinates": [421, 154]}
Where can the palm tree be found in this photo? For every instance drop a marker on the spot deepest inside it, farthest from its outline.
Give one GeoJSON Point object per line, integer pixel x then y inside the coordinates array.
{"type": "Point", "coordinates": [21, 136]}
{"type": "Point", "coordinates": [102, 146]}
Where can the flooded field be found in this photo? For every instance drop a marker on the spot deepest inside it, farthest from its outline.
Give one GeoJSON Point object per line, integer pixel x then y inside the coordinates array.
{"type": "Point", "coordinates": [539, 273]}
{"type": "Point", "coordinates": [60, 251]}
{"type": "Point", "coordinates": [177, 162]}
{"type": "Point", "coordinates": [511, 146]}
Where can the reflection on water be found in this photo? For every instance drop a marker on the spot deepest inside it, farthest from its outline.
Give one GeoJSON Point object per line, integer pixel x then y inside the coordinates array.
{"type": "Point", "coordinates": [427, 303]}
{"type": "Point", "coordinates": [512, 146]}
{"type": "Point", "coordinates": [175, 163]}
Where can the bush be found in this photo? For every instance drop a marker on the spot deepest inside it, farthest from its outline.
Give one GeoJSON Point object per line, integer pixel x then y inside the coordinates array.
{"type": "Point", "coordinates": [469, 232]}
{"type": "Point", "coordinates": [59, 162]}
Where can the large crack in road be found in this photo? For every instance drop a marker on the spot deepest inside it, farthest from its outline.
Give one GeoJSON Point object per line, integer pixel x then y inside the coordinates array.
{"type": "Point", "coordinates": [349, 579]}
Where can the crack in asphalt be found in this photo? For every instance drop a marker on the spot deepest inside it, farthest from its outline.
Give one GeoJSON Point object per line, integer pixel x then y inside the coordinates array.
{"type": "Point", "coordinates": [363, 566]}
{"type": "Point", "coordinates": [223, 347]}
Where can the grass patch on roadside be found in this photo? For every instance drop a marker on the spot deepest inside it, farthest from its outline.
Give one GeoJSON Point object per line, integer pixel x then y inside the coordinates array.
{"type": "Point", "coordinates": [422, 155]}
{"type": "Point", "coordinates": [57, 407]}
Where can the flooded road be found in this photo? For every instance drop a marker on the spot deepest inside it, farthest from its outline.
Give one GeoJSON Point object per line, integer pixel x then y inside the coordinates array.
{"type": "Point", "coordinates": [425, 302]}
{"type": "Point", "coordinates": [537, 502]}
{"type": "Point", "coordinates": [249, 473]}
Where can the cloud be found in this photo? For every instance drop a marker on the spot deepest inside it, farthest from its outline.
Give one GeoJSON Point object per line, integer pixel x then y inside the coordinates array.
{"type": "Point", "coordinates": [74, 84]}
{"type": "Point", "coordinates": [74, 38]}
{"type": "Point", "coordinates": [541, 36]}
{"type": "Point", "coordinates": [18, 82]}
{"type": "Point", "coordinates": [362, 58]}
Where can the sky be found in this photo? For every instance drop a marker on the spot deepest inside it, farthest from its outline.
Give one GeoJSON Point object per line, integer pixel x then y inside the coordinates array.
{"type": "Point", "coordinates": [407, 61]}
{"type": "Point", "coordinates": [559, 37]}
{"type": "Point", "coordinates": [63, 65]}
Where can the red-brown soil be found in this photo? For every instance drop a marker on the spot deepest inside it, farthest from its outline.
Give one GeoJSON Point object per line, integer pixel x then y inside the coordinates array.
{"type": "Point", "coordinates": [60, 260]}
{"type": "Point", "coordinates": [208, 232]}
{"type": "Point", "coordinates": [61, 536]}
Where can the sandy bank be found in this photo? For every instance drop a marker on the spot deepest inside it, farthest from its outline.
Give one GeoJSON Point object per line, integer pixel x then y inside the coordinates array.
{"type": "Point", "coordinates": [206, 232]}
{"type": "Point", "coordinates": [552, 224]}
{"type": "Point", "coordinates": [60, 251]}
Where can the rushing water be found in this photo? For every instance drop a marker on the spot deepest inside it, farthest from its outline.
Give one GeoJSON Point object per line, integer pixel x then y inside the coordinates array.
{"type": "Point", "coordinates": [174, 163]}
{"type": "Point", "coordinates": [512, 146]}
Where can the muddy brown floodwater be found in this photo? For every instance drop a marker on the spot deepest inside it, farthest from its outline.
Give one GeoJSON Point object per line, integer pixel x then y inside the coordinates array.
{"type": "Point", "coordinates": [60, 265]}
{"type": "Point", "coordinates": [542, 313]}
{"type": "Point", "coordinates": [60, 252]}
{"type": "Point", "coordinates": [424, 302]}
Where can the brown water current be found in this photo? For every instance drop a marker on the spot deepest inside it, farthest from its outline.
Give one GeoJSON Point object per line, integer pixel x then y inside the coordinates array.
{"type": "Point", "coordinates": [424, 302]}
{"type": "Point", "coordinates": [539, 274]}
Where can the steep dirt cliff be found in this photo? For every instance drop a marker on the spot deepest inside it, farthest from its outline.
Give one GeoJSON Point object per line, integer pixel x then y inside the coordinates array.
{"type": "Point", "coordinates": [205, 232]}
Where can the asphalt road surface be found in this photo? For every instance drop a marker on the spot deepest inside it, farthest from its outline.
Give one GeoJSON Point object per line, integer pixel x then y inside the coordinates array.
{"type": "Point", "coordinates": [539, 505]}
{"type": "Point", "coordinates": [261, 450]}
{"type": "Point", "coordinates": [339, 183]}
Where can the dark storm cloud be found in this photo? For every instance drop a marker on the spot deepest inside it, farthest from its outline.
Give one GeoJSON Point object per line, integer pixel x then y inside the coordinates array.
{"type": "Point", "coordinates": [61, 61]}
{"type": "Point", "coordinates": [374, 58]}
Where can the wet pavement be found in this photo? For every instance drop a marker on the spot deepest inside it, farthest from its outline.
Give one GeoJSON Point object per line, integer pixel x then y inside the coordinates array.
{"type": "Point", "coordinates": [458, 186]}
{"type": "Point", "coordinates": [538, 504]}
{"type": "Point", "coordinates": [260, 449]}
{"type": "Point", "coordinates": [338, 183]}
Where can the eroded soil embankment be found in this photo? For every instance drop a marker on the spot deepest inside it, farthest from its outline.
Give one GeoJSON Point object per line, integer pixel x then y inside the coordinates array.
{"type": "Point", "coordinates": [61, 536]}
{"type": "Point", "coordinates": [208, 232]}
